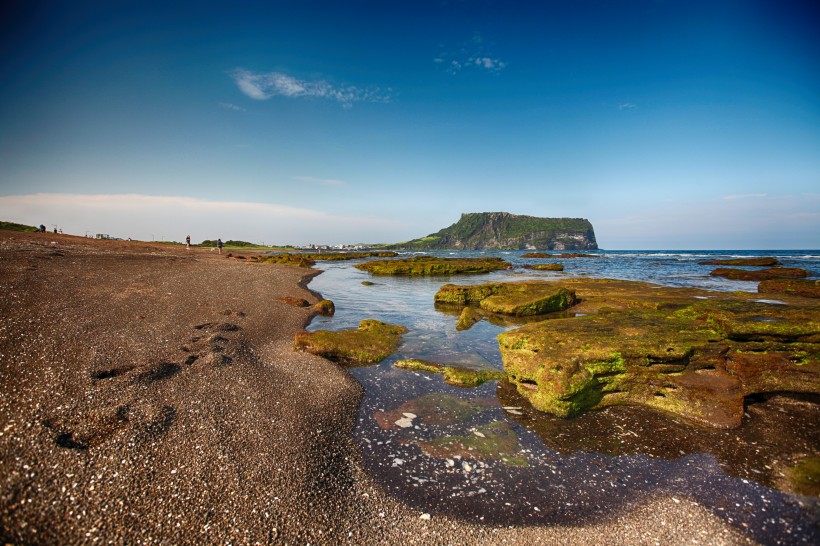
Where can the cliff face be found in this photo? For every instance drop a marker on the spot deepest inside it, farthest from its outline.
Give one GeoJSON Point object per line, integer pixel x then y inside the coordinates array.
{"type": "Point", "coordinates": [502, 230]}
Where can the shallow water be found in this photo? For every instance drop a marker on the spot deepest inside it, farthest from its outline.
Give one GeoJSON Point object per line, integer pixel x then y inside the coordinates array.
{"type": "Point", "coordinates": [484, 454]}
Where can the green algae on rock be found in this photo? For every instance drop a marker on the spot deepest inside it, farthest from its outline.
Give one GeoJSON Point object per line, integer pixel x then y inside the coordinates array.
{"type": "Point", "coordinates": [694, 358]}
{"type": "Point", "coordinates": [371, 342]}
{"type": "Point", "coordinates": [454, 374]}
{"type": "Point", "coordinates": [796, 287]}
{"type": "Point", "coordinates": [752, 262]}
{"type": "Point", "coordinates": [496, 440]}
{"type": "Point", "coordinates": [518, 299]}
{"type": "Point", "coordinates": [297, 260]}
{"type": "Point", "coordinates": [326, 308]}
{"type": "Point", "coordinates": [760, 275]}
{"type": "Point", "coordinates": [544, 267]}
{"type": "Point", "coordinates": [804, 477]}
{"type": "Point", "coordinates": [430, 266]}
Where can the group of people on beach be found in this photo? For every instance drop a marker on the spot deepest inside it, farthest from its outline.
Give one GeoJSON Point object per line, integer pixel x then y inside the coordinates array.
{"type": "Point", "coordinates": [188, 244]}
{"type": "Point", "coordinates": [42, 229]}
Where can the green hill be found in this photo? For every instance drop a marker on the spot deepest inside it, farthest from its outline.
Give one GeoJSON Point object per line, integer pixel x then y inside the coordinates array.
{"type": "Point", "coordinates": [502, 230]}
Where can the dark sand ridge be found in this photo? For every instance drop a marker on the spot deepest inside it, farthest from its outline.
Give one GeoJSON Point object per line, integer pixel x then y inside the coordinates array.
{"type": "Point", "coordinates": [151, 395]}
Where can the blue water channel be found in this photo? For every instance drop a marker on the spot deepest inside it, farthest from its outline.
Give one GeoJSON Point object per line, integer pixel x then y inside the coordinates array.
{"type": "Point", "coordinates": [483, 454]}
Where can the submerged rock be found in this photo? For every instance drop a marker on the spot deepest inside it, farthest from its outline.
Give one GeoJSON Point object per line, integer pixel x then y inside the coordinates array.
{"type": "Point", "coordinates": [796, 287]}
{"type": "Point", "coordinates": [518, 299]}
{"type": "Point", "coordinates": [371, 342]}
{"type": "Point", "coordinates": [430, 266]}
{"type": "Point", "coordinates": [760, 275]}
{"type": "Point", "coordinates": [697, 358]}
{"type": "Point", "coordinates": [454, 374]}
{"type": "Point", "coordinates": [496, 440]}
{"type": "Point", "coordinates": [435, 409]}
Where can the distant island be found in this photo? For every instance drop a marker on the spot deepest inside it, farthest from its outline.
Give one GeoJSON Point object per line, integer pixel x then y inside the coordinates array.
{"type": "Point", "coordinates": [505, 231]}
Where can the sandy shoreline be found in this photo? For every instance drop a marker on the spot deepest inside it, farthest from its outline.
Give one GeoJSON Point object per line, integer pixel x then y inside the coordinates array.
{"type": "Point", "coordinates": [151, 395]}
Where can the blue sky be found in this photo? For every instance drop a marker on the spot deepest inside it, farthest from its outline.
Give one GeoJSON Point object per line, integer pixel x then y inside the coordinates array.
{"type": "Point", "coordinates": [668, 124]}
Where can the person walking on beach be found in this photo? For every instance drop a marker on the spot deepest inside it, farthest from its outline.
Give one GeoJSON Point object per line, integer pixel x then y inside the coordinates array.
{"type": "Point", "coordinates": [219, 245]}
{"type": "Point", "coordinates": [188, 242]}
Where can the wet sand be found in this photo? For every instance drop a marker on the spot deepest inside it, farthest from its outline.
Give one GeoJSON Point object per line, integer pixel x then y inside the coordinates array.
{"type": "Point", "coordinates": [151, 395]}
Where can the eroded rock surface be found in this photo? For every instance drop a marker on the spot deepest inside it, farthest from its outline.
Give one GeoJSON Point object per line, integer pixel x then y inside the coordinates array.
{"type": "Point", "coordinates": [672, 349]}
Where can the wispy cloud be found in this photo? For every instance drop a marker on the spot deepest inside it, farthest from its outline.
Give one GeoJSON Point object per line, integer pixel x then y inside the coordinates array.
{"type": "Point", "coordinates": [263, 86]}
{"type": "Point", "coordinates": [320, 181]}
{"type": "Point", "coordinates": [473, 54]}
{"type": "Point", "coordinates": [627, 106]}
{"type": "Point", "coordinates": [229, 106]}
{"type": "Point", "coordinates": [736, 197]}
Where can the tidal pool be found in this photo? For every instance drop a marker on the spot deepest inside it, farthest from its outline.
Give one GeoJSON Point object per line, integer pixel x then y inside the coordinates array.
{"type": "Point", "coordinates": [483, 454]}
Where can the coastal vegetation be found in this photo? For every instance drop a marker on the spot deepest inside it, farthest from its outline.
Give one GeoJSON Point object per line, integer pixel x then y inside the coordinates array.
{"type": "Point", "coordinates": [12, 226]}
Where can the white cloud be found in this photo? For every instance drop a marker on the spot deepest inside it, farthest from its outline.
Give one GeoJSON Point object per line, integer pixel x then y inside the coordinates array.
{"type": "Point", "coordinates": [151, 217]}
{"type": "Point", "coordinates": [229, 106]}
{"type": "Point", "coordinates": [627, 106]}
{"type": "Point", "coordinates": [472, 54]}
{"type": "Point", "coordinates": [320, 181]}
{"type": "Point", "coordinates": [263, 86]}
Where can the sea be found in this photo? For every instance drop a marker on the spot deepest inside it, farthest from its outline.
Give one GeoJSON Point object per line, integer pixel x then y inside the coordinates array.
{"type": "Point", "coordinates": [483, 454]}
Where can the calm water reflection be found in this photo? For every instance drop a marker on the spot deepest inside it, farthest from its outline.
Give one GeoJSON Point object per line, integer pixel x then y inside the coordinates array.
{"type": "Point", "coordinates": [484, 454]}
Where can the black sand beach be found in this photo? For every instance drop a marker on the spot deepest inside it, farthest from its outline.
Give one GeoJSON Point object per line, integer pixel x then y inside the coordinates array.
{"type": "Point", "coordinates": [151, 395]}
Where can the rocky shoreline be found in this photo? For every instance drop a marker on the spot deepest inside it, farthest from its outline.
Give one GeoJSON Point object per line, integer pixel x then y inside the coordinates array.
{"type": "Point", "coordinates": [152, 395]}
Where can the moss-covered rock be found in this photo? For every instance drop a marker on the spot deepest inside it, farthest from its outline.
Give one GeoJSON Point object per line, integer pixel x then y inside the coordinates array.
{"type": "Point", "coordinates": [326, 308]}
{"type": "Point", "coordinates": [697, 358]}
{"type": "Point", "coordinates": [796, 287]}
{"type": "Point", "coordinates": [371, 342]}
{"type": "Point", "coordinates": [468, 317]}
{"type": "Point", "coordinates": [537, 255]}
{"type": "Point", "coordinates": [752, 262]}
{"type": "Point", "coordinates": [760, 275]}
{"type": "Point", "coordinates": [297, 260]}
{"type": "Point", "coordinates": [518, 299]}
{"type": "Point", "coordinates": [454, 374]}
{"type": "Point", "coordinates": [545, 267]}
{"type": "Point", "coordinates": [430, 266]}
